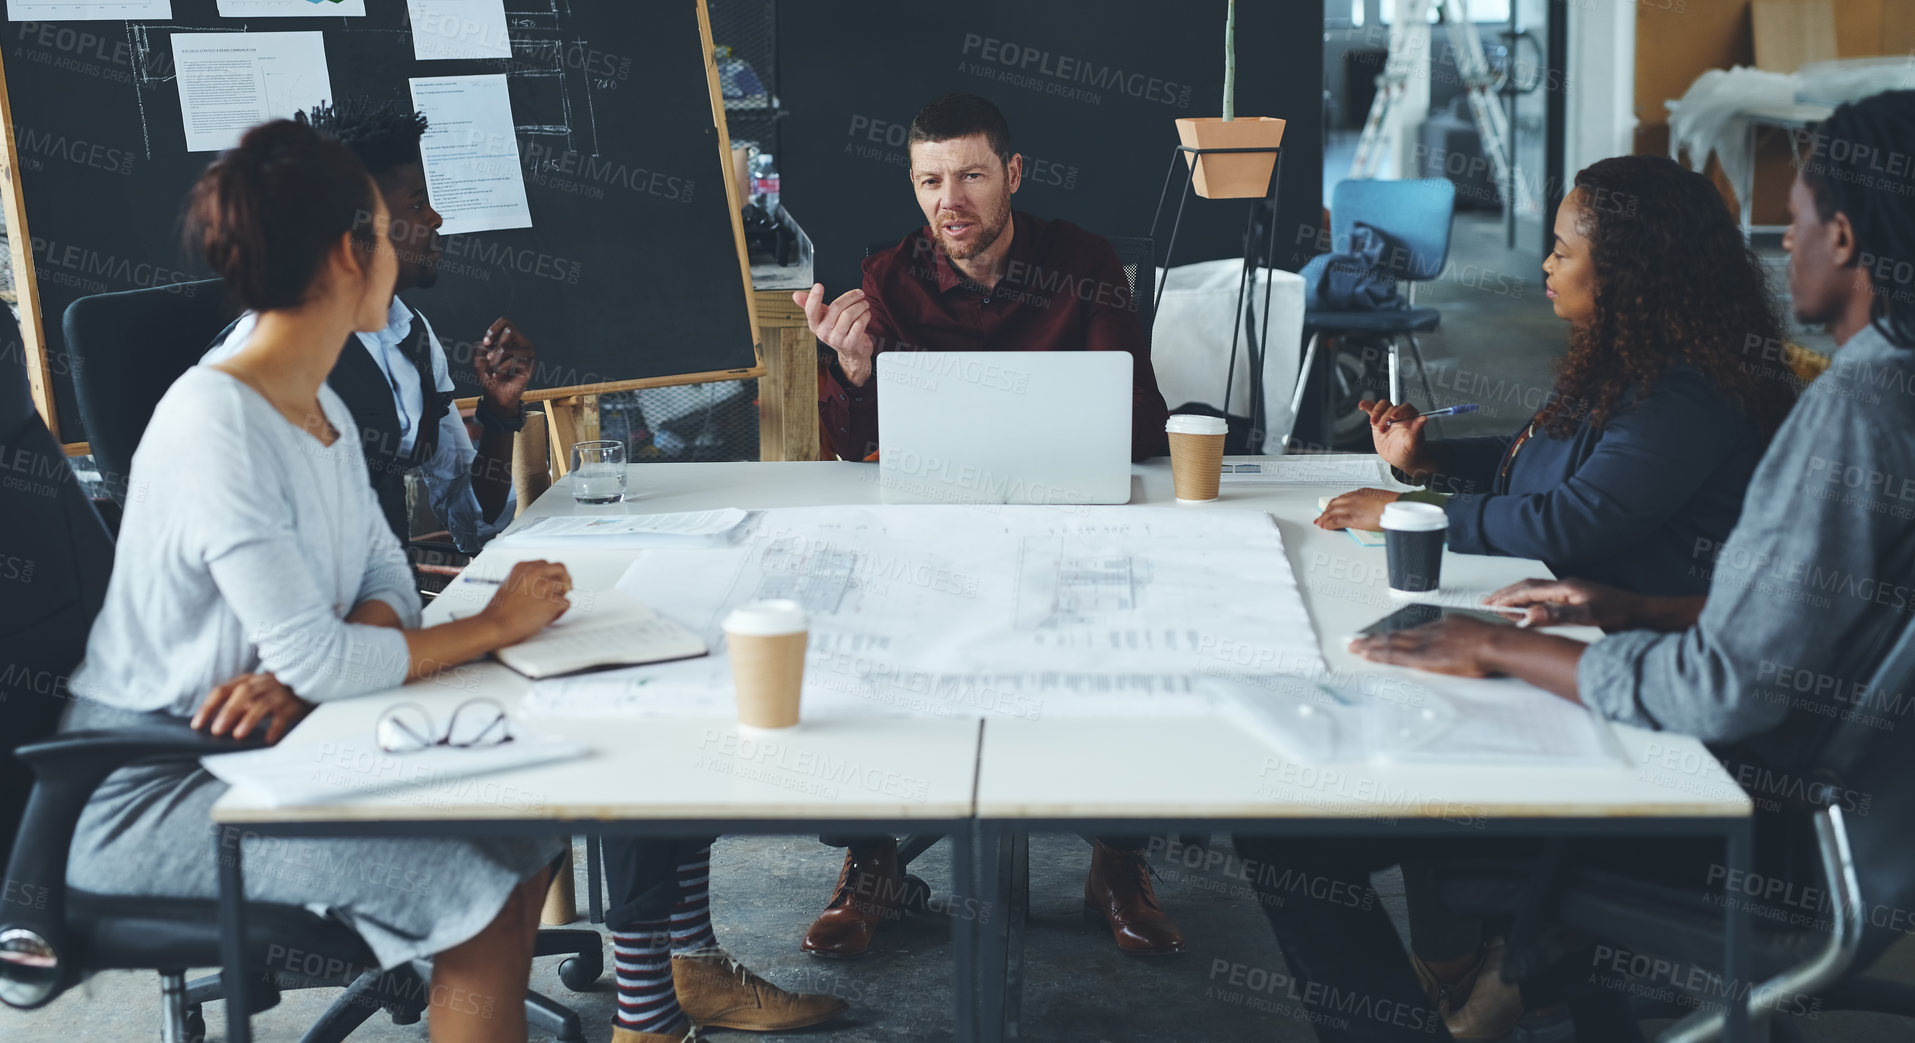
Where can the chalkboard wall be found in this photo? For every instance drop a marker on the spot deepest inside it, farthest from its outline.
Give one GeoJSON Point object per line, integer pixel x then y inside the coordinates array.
{"type": "Point", "coordinates": [630, 270]}
{"type": "Point", "coordinates": [1090, 90]}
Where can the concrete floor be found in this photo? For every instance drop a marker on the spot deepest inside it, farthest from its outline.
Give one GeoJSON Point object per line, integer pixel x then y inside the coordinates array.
{"type": "Point", "coordinates": [1077, 989]}
{"type": "Point", "coordinates": [1495, 347]}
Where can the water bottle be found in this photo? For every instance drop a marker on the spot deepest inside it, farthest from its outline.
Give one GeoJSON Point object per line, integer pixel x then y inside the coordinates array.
{"type": "Point", "coordinates": [764, 183]}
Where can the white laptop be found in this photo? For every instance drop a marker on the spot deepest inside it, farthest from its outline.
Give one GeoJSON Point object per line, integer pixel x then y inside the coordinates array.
{"type": "Point", "coordinates": [1004, 426]}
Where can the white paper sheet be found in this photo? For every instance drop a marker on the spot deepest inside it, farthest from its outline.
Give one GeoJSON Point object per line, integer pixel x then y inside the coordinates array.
{"type": "Point", "coordinates": [672, 690]}
{"type": "Point", "coordinates": [292, 8]}
{"type": "Point", "coordinates": [285, 776]}
{"type": "Point", "coordinates": [86, 10]}
{"type": "Point", "coordinates": [458, 29]}
{"type": "Point", "coordinates": [1517, 725]}
{"type": "Point", "coordinates": [633, 529]}
{"type": "Point", "coordinates": [1302, 470]}
{"type": "Point", "coordinates": [471, 152]}
{"type": "Point", "coordinates": [1393, 718]}
{"type": "Point", "coordinates": [231, 81]}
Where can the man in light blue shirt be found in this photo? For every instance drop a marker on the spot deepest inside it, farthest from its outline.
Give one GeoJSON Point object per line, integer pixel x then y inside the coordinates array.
{"type": "Point", "coordinates": [399, 387]}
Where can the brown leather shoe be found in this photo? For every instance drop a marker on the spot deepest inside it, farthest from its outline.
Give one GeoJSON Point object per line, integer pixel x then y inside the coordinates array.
{"type": "Point", "coordinates": [683, 1032]}
{"type": "Point", "coordinates": [1480, 1005]}
{"type": "Point", "coordinates": [1118, 892]}
{"type": "Point", "coordinates": [716, 991]}
{"type": "Point", "coordinates": [870, 890]}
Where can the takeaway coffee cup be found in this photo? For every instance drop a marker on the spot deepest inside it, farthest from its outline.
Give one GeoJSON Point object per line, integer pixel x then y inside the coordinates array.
{"type": "Point", "coordinates": [1196, 455]}
{"type": "Point", "coordinates": [767, 643]}
{"type": "Point", "coordinates": [1413, 542]}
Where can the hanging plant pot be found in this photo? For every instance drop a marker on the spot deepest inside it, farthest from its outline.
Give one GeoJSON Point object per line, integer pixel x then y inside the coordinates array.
{"type": "Point", "coordinates": [1235, 175]}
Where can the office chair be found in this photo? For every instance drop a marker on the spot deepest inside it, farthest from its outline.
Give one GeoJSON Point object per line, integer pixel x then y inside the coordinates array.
{"type": "Point", "coordinates": [128, 348]}
{"type": "Point", "coordinates": [52, 935]}
{"type": "Point", "coordinates": [1415, 217]}
{"type": "Point", "coordinates": [1858, 855]}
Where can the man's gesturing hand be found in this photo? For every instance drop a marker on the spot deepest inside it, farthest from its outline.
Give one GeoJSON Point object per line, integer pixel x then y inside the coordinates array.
{"type": "Point", "coordinates": [504, 364]}
{"type": "Point", "coordinates": [840, 327]}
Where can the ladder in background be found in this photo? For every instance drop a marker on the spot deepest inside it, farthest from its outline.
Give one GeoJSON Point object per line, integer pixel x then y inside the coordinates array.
{"type": "Point", "coordinates": [1409, 53]}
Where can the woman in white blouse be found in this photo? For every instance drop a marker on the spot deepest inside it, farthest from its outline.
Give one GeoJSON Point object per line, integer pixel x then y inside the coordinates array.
{"type": "Point", "coordinates": [255, 576]}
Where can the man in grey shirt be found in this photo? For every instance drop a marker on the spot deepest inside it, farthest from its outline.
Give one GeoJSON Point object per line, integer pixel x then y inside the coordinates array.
{"type": "Point", "coordinates": [1805, 599]}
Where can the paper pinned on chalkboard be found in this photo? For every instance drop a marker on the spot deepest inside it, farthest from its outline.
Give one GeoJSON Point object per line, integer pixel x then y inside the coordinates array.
{"type": "Point", "coordinates": [229, 82]}
{"type": "Point", "coordinates": [292, 8]}
{"type": "Point", "coordinates": [471, 153]}
{"type": "Point", "coordinates": [443, 29]}
{"type": "Point", "coordinates": [87, 10]}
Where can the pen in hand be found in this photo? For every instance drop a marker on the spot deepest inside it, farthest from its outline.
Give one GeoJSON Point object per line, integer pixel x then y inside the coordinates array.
{"type": "Point", "coordinates": [1467, 407]}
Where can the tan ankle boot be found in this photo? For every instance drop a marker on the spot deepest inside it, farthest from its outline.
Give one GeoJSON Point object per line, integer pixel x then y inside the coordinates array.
{"type": "Point", "coordinates": [683, 1032]}
{"type": "Point", "coordinates": [716, 991]}
{"type": "Point", "coordinates": [1479, 1006]}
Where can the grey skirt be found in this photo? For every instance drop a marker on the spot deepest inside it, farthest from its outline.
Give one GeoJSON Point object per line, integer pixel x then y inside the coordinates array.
{"type": "Point", "coordinates": [149, 831]}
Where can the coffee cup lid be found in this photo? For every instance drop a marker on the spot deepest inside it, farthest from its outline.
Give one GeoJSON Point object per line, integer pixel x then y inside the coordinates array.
{"type": "Point", "coordinates": [1196, 424]}
{"type": "Point", "coordinates": [767, 618]}
{"type": "Point", "coordinates": [1414, 517]}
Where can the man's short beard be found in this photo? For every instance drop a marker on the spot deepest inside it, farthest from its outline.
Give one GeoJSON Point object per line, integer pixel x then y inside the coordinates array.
{"type": "Point", "coordinates": [985, 240]}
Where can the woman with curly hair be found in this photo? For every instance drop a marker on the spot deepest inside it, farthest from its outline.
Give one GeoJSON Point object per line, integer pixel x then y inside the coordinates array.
{"type": "Point", "coordinates": [1636, 464]}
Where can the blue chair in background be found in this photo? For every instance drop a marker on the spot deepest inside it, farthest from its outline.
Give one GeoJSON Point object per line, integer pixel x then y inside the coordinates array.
{"type": "Point", "coordinates": [1415, 218]}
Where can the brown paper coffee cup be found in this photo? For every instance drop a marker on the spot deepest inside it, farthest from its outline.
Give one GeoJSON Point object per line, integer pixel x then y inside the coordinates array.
{"type": "Point", "coordinates": [1196, 455]}
{"type": "Point", "coordinates": [766, 640]}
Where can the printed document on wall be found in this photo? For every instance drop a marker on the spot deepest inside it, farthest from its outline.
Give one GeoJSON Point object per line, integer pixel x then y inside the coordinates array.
{"type": "Point", "coordinates": [471, 153]}
{"type": "Point", "coordinates": [231, 81]}
{"type": "Point", "coordinates": [86, 10]}
{"type": "Point", "coordinates": [292, 8]}
{"type": "Point", "coordinates": [458, 29]}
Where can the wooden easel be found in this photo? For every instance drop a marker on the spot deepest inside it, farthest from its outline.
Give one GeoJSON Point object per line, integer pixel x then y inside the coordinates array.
{"type": "Point", "coordinates": [787, 392]}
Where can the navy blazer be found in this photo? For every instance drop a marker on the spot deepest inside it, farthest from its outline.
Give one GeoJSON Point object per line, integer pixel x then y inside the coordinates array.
{"type": "Point", "coordinates": [1640, 504]}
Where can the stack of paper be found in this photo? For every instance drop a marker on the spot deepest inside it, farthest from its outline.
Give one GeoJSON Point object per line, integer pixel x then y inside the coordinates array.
{"type": "Point", "coordinates": [1302, 470]}
{"type": "Point", "coordinates": [686, 527]}
{"type": "Point", "coordinates": [284, 776]}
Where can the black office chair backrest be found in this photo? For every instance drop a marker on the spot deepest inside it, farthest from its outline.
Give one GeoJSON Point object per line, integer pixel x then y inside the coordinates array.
{"type": "Point", "coordinates": [55, 557]}
{"type": "Point", "coordinates": [127, 349]}
{"type": "Point", "coordinates": [1137, 253]}
{"type": "Point", "coordinates": [1138, 256]}
{"type": "Point", "coordinates": [1864, 767]}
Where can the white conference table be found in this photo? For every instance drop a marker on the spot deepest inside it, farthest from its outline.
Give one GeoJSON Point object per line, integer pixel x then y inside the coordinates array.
{"type": "Point", "coordinates": [985, 779]}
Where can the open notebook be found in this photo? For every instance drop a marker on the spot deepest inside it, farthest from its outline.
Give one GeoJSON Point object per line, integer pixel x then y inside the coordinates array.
{"type": "Point", "coordinates": [603, 628]}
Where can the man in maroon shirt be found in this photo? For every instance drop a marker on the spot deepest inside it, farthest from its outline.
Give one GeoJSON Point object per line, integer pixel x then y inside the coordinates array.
{"type": "Point", "coordinates": [978, 277]}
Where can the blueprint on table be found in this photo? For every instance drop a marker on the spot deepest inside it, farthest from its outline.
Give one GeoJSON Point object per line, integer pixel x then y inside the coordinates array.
{"type": "Point", "coordinates": [993, 609]}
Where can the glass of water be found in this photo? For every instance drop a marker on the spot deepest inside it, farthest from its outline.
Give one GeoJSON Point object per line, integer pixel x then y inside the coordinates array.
{"type": "Point", "coordinates": [598, 472]}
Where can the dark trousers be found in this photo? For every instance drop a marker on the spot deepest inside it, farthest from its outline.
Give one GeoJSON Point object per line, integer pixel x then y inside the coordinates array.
{"type": "Point", "coordinates": [1343, 952]}
{"type": "Point", "coordinates": [1346, 964]}
{"type": "Point", "coordinates": [641, 876]}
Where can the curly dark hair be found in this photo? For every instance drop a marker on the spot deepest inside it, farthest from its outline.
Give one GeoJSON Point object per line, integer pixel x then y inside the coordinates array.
{"type": "Point", "coordinates": [1675, 283]}
{"type": "Point", "coordinates": [384, 133]}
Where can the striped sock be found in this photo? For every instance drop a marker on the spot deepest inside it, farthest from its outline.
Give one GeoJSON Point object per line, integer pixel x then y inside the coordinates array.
{"type": "Point", "coordinates": [691, 916]}
{"type": "Point", "coordinates": [642, 964]}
